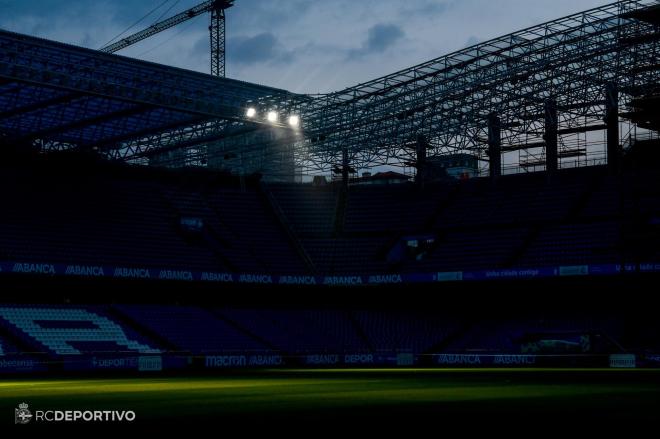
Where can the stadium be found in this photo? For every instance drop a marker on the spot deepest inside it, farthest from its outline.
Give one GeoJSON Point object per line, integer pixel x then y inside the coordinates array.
{"type": "Point", "coordinates": [475, 238]}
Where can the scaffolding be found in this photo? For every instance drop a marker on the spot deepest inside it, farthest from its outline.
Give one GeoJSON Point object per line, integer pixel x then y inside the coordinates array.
{"type": "Point", "coordinates": [591, 68]}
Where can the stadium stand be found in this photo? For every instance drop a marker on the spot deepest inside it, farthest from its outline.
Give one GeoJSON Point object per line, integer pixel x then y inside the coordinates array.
{"type": "Point", "coordinates": [300, 331]}
{"type": "Point", "coordinates": [70, 331]}
{"type": "Point", "coordinates": [255, 227]}
{"type": "Point", "coordinates": [6, 348]}
{"type": "Point", "coordinates": [392, 208]}
{"type": "Point", "coordinates": [398, 331]}
{"type": "Point", "coordinates": [198, 336]}
{"type": "Point", "coordinates": [480, 249]}
{"type": "Point", "coordinates": [272, 267]}
{"type": "Point", "coordinates": [574, 244]}
{"type": "Point", "coordinates": [193, 329]}
{"type": "Point", "coordinates": [137, 218]}
{"type": "Point", "coordinates": [180, 222]}
{"type": "Point", "coordinates": [558, 334]}
{"type": "Point", "coordinates": [359, 255]}
{"type": "Point", "coordinates": [123, 222]}
{"type": "Point", "coordinates": [309, 209]}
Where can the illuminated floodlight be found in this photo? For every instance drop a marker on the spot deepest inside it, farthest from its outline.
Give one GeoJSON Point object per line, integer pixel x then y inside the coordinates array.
{"type": "Point", "coordinates": [251, 112]}
{"type": "Point", "coordinates": [272, 117]}
{"type": "Point", "coordinates": [294, 121]}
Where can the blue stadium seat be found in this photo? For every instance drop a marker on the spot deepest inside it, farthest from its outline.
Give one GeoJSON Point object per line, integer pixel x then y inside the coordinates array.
{"type": "Point", "coordinates": [71, 326]}
{"type": "Point", "coordinates": [193, 329]}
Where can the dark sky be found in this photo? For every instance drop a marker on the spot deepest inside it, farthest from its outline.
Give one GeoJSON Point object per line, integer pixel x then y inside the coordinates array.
{"type": "Point", "coordinates": [307, 46]}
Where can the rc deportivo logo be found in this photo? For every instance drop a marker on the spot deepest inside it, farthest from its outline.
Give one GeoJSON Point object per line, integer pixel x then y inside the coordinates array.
{"type": "Point", "coordinates": [22, 415]}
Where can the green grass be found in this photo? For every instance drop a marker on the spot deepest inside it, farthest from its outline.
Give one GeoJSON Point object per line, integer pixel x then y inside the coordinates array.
{"type": "Point", "coordinates": [301, 397]}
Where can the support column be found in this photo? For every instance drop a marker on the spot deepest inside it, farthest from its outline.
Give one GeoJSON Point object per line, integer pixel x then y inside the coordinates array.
{"type": "Point", "coordinates": [344, 167]}
{"type": "Point", "coordinates": [420, 160]}
{"type": "Point", "coordinates": [495, 145]}
{"type": "Point", "coordinates": [612, 122]}
{"type": "Point", "coordinates": [551, 137]}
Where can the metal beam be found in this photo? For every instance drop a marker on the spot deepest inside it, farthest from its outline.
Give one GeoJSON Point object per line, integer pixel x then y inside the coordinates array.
{"type": "Point", "coordinates": [115, 141]}
{"type": "Point", "coordinates": [582, 129]}
{"type": "Point", "coordinates": [612, 120]}
{"type": "Point", "coordinates": [523, 147]}
{"type": "Point", "coordinates": [551, 136]}
{"type": "Point", "coordinates": [447, 99]}
{"type": "Point", "coordinates": [49, 132]}
{"type": "Point", "coordinates": [40, 105]}
{"type": "Point", "coordinates": [136, 96]}
{"type": "Point", "coordinates": [212, 136]}
{"type": "Point", "coordinates": [495, 145]}
{"type": "Point", "coordinates": [60, 66]}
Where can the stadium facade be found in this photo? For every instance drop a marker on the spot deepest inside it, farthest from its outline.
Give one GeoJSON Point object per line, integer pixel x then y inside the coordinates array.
{"type": "Point", "coordinates": [217, 223]}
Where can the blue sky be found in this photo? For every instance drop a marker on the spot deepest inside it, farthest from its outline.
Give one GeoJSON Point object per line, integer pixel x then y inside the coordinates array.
{"type": "Point", "coordinates": [307, 46]}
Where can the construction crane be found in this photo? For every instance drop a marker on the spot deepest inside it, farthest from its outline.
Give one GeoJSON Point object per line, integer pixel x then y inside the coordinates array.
{"type": "Point", "coordinates": [217, 29]}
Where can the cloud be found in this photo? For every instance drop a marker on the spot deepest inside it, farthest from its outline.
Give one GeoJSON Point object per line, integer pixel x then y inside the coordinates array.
{"type": "Point", "coordinates": [472, 41]}
{"type": "Point", "coordinates": [300, 45]}
{"type": "Point", "coordinates": [428, 9]}
{"type": "Point", "coordinates": [76, 21]}
{"type": "Point", "coordinates": [261, 48]}
{"type": "Point", "coordinates": [268, 14]}
{"type": "Point", "coordinates": [380, 38]}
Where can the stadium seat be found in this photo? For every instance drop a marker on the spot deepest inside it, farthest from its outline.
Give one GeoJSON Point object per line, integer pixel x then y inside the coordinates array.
{"type": "Point", "coordinates": [72, 326]}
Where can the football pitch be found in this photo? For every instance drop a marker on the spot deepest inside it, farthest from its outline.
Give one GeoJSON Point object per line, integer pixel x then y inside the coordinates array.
{"type": "Point", "coordinates": [313, 398]}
